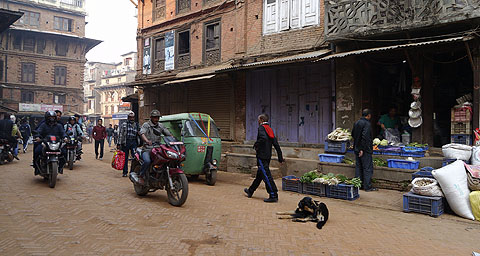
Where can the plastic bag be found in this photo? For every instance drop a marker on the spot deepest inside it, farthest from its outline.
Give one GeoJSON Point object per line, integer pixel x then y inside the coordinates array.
{"type": "Point", "coordinates": [475, 156]}
{"type": "Point", "coordinates": [475, 203]}
{"type": "Point", "coordinates": [476, 139]}
{"type": "Point", "coordinates": [453, 181]}
{"type": "Point", "coordinates": [392, 135]}
{"type": "Point", "coordinates": [118, 160]}
{"type": "Point", "coordinates": [433, 189]}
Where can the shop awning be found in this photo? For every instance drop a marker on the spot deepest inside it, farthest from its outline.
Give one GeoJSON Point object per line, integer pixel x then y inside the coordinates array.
{"type": "Point", "coordinates": [130, 98]}
{"type": "Point", "coordinates": [393, 47]}
{"type": "Point", "coordinates": [188, 79]}
{"type": "Point", "coordinates": [7, 109]}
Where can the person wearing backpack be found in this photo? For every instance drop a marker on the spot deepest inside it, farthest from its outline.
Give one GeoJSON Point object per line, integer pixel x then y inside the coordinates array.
{"type": "Point", "coordinates": [128, 139]}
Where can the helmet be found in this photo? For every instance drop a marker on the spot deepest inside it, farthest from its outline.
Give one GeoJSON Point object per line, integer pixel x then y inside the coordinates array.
{"type": "Point", "coordinates": [13, 118]}
{"type": "Point", "coordinates": [131, 113]}
{"type": "Point", "coordinates": [72, 118]}
{"type": "Point", "coordinates": [50, 117]}
{"type": "Point", "coordinates": [155, 113]}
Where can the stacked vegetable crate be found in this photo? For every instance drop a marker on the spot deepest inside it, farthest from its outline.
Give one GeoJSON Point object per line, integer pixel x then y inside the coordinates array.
{"type": "Point", "coordinates": [431, 205]}
{"type": "Point", "coordinates": [461, 126]}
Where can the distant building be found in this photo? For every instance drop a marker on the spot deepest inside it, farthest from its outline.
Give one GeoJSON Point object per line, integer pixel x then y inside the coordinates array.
{"type": "Point", "coordinates": [42, 56]}
{"type": "Point", "coordinates": [112, 88]}
{"type": "Point", "coordinates": [92, 78]}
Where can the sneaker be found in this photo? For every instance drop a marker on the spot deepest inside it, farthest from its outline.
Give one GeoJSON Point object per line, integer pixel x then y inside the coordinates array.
{"type": "Point", "coordinates": [16, 157]}
{"type": "Point", "coordinates": [371, 189]}
{"type": "Point", "coordinates": [124, 175]}
{"type": "Point", "coordinates": [271, 200]}
{"type": "Point", "coordinates": [100, 158]}
{"type": "Point", "coordinates": [249, 195]}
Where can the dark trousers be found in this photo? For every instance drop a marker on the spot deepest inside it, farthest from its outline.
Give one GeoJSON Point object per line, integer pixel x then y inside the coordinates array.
{"type": "Point", "coordinates": [129, 148]}
{"type": "Point", "coordinates": [264, 174]}
{"type": "Point", "coordinates": [101, 143]}
{"type": "Point", "coordinates": [364, 169]}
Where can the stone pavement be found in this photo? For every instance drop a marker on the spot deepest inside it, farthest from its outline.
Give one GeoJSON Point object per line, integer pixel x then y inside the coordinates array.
{"type": "Point", "coordinates": [94, 211]}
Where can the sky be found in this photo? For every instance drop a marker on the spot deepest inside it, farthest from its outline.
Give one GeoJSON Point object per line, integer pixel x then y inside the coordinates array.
{"type": "Point", "coordinates": [113, 22]}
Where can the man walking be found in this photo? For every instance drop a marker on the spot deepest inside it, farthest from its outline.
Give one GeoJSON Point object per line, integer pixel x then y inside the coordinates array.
{"type": "Point", "coordinates": [263, 146]}
{"type": "Point", "coordinates": [99, 134]}
{"type": "Point", "coordinates": [26, 131]}
{"type": "Point", "coordinates": [127, 140]}
{"type": "Point", "coordinates": [109, 135]}
{"type": "Point", "coordinates": [363, 148]}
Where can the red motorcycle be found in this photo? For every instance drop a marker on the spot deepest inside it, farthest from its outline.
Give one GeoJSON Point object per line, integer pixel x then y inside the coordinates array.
{"type": "Point", "coordinates": [163, 173]}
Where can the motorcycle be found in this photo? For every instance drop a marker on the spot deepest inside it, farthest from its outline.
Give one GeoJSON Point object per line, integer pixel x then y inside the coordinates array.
{"type": "Point", "coordinates": [71, 150]}
{"type": "Point", "coordinates": [48, 162]}
{"type": "Point", "coordinates": [163, 173]}
{"type": "Point", "coordinates": [6, 152]}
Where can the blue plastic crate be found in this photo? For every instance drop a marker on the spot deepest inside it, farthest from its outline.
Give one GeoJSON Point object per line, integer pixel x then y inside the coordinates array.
{"type": "Point", "coordinates": [461, 139]}
{"type": "Point", "coordinates": [336, 146]}
{"type": "Point", "coordinates": [317, 189]}
{"type": "Point", "coordinates": [432, 206]}
{"type": "Point", "coordinates": [377, 152]}
{"type": "Point", "coordinates": [391, 153]}
{"type": "Point", "coordinates": [343, 191]}
{"type": "Point", "coordinates": [291, 183]}
{"type": "Point", "coordinates": [403, 164]}
{"type": "Point", "coordinates": [329, 158]}
{"type": "Point", "coordinates": [413, 149]}
{"type": "Point", "coordinates": [449, 161]}
{"type": "Point", "coordinates": [413, 154]}
{"type": "Point", "coordinates": [422, 174]}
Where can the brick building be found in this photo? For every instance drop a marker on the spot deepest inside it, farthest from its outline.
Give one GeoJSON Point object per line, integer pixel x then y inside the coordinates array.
{"type": "Point", "coordinates": [235, 60]}
{"type": "Point", "coordinates": [92, 78]}
{"type": "Point", "coordinates": [42, 56]}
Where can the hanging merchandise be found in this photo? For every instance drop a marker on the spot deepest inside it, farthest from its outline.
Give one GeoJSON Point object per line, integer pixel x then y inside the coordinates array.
{"type": "Point", "coordinates": [414, 113]}
{"type": "Point", "coordinates": [415, 122]}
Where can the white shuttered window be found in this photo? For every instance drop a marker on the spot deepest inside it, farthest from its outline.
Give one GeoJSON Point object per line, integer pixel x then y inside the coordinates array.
{"type": "Point", "coordinates": [282, 15]}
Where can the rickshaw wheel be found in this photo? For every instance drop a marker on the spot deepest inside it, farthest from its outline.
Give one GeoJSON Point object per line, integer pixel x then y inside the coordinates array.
{"type": "Point", "coordinates": [211, 178]}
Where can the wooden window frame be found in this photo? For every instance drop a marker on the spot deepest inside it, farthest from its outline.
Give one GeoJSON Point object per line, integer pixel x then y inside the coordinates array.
{"type": "Point", "coordinates": [59, 23]}
{"type": "Point", "coordinates": [64, 97]}
{"type": "Point", "coordinates": [59, 81]}
{"type": "Point", "coordinates": [17, 42]}
{"type": "Point", "coordinates": [30, 48]}
{"type": "Point", "coordinates": [154, 58]}
{"type": "Point", "coordinates": [177, 4]}
{"type": "Point", "coordinates": [26, 18]}
{"type": "Point", "coordinates": [156, 7]}
{"type": "Point", "coordinates": [204, 45]}
{"type": "Point", "coordinates": [177, 43]}
{"type": "Point", "coordinates": [25, 92]}
{"type": "Point", "coordinates": [23, 70]}
{"type": "Point", "coordinates": [56, 48]}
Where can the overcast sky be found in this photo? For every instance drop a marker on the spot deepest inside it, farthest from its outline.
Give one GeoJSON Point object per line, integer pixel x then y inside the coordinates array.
{"type": "Point", "coordinates": [113, 22]}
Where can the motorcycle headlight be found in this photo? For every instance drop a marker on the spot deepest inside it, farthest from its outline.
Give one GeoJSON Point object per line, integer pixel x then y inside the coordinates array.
{"type": "Point", "coordinates": [53, 146]}
{"type": "Point", "coordinates": [173, 155]}
{"type": "Point", "coordinates": [214, 162]}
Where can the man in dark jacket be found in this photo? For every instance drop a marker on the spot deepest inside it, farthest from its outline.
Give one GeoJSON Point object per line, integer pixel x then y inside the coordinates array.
{"type": "Point", "coordinates": [99, 134]}
{"type": "Point", "coordinates": [363, 147]}
{"type": "Point", "coordinates": [265, 139]}
{"type": "Point", "coordinates": [50, 127]}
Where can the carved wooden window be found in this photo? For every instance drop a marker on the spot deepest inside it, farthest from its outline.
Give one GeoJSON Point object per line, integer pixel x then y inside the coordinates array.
{"type": "Point", "coordinates": [28, 72]}
{"type": "Point", "coordinates": [159, 10]}
{"type": "Point", "coordinates": [17, 42]}
{"type": "Point", "coordinates": [183, 49]}
{"type": "Point", "coordinates": [60, 76]}
{"type": "Point", "coordinates": [212, 43]}
{"type": "Point", "coordinates": [281, 15]}
{"type": "Point", "coordinates": [41, 45]}
{"type": "Point", "coordinates": [29, 44]}
{"type": "Point", "coordinates": [27, 96]}
{"type": "Point", "coordinates": [159, 61]}
{"type": "Point", "coordinates": [183, 5]}
{"type": "Point", "coordinates": [61, 48]}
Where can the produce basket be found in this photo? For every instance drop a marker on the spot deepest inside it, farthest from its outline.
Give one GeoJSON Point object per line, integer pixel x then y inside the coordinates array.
{"type": "Point", "coordinates": [461, 139]}
{"type": "Point", "coordinates": [314, 188]}
{"type": "Point", "coordinates": [343, 191]}
{"type": "Point", "coordinates": [461, 115]}
{"type": "Point", "coordinates": [461, 128]}
{"type": "Point", "coordinates": [336, 146]}
{"type": "Point", "coordinates": [329, 158]}
{"type": "Point", "coordinates": [403, 164]}
{"type": "Point", "coordinates": [291, 183]}
{"type": "Point", "coordinates": [413, 152]}
{"type": "Point", "coordinates": [432, 206]}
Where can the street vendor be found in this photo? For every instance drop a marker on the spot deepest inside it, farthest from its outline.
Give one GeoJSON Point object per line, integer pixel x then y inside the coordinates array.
{"type": "Point", "coordinates": [389, 122]}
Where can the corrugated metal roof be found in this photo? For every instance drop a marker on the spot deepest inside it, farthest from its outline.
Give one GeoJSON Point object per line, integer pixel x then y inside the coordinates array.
{"type": "Point", "coordinates": [292, 58]}
{"type": "Point", "coordinates": [392, 47]}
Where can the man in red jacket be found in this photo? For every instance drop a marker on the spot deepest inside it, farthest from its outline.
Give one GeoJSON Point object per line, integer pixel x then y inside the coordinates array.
{"type": "Point", "coordinates": [99, 134]}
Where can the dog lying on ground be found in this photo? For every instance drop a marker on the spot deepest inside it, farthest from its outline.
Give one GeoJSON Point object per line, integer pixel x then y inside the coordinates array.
{"type": "Point", "coordinates": [308, 210]}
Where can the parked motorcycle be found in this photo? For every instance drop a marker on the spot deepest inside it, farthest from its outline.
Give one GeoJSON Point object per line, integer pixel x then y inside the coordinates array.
{"type": "Point", "coordinates": [71, 150]}
{"type": "Point", "coordinates": [6, 152]}
{"type": "Point", "coordinates": [163, 173]}
{"type": "Point", "coordinates": [48, 162]}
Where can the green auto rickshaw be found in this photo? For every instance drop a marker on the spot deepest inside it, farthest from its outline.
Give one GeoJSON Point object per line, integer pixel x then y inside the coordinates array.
{"type": "Point", "coordinates": [202, 142]}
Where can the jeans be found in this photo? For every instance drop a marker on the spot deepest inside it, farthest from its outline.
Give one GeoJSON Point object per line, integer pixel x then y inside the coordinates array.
{"type": "Point", "coordinates": [364, 169]}
{"type": "Point", "coordinates": [265, 175]}
{"type": "Point", "coordinates": [146, 162]}
{"type": "Point", "coordinates": [109, 140]}
{"type": "Point", "coordinates": [97, 143]}
{"type": "Point", "coordinates": [128, 148]}
{"type": "Point", "coordinates": [25, 141]}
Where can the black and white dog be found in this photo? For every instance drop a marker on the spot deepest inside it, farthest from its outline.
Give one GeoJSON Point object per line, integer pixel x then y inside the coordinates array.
{"type": "Point", "coordinates": [308, 210]}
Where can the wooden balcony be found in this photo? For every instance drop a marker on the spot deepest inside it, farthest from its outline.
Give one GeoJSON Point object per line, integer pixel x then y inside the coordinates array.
{"type": "Point", "coordinates": [350, 18]}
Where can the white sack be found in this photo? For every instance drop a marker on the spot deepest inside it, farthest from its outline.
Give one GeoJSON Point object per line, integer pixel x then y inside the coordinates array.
{"type": "Point", "coordinates": [453, 181]}
{"type": "Point", "coordinates": [476, 156]}
{"type": "Point", "coordinates": [430, 190]}
{"type": "Point", "coordinates": [457, 151]}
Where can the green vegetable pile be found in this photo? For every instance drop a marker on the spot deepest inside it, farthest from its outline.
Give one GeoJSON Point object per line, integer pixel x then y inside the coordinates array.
{"type": "Point", "coordinates": [310, 176]}
{"type": "Point", "coordinates": [379, 162]}
{"type": "Point", "coordinates": [418, 145]}
{"type": "Point", "coordinates": [347, 160]}
{"type": "Point", "coordinates": [356, 182]}
{"type": "Point", "coordinates": [377, 142]}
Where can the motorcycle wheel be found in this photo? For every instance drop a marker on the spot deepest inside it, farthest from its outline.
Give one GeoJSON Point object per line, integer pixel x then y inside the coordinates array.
{"type": "Point", "coordinates": [71, 156]}
{"type": "Point", "coordinates": [211, 178]}
{"type": "Point", "coordinates": [139, 189]}
{"type": "Point", "coordinates": [52, 179]}
{"type": "Point", "coordinates": [178, 194]}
